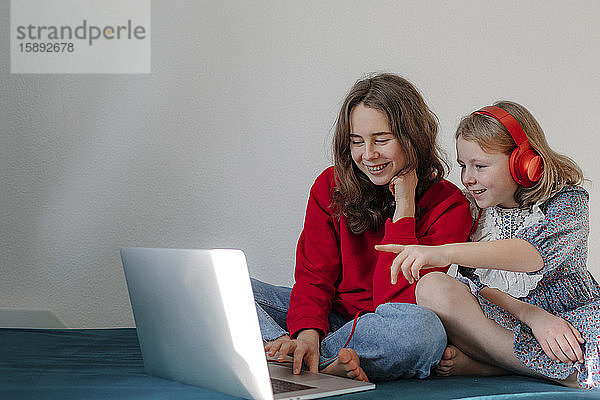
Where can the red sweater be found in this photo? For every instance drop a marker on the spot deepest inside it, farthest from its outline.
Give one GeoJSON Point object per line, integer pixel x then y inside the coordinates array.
{"type": "Point", "coordinates": [336, 269]}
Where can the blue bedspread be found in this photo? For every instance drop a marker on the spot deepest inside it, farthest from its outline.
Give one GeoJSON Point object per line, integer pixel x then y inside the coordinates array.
{"type": "Point", "coordinates": [107, 364]}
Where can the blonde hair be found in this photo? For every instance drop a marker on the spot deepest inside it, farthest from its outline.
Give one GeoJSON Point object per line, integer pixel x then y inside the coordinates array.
{"type": "Point", "coordinates": [559, 170]}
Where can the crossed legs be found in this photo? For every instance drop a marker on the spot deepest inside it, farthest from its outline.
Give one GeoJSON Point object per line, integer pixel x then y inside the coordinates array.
{"type": "Point", "coordinates": [480, 345]}
{"type": "Point", "coordinates": [396, 341]}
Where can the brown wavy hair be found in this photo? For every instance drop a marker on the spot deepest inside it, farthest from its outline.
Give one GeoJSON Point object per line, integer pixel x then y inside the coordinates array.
{"type": "Point", "coordinates": [364, 204]}
{"type": "Point", "coordinates": [559, 170]}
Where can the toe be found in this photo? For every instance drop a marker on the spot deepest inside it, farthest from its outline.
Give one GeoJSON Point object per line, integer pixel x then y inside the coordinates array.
{"type": "Point", "coordinates": [449, 353]}
{"type": "Point", "coordinates": [345, 356]}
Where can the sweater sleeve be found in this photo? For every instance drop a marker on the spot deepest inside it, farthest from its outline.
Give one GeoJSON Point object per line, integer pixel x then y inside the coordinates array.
{"type": "Point", "coordinates": [318, 263]}
{"type": "Point", "coordinates": [445, 218]}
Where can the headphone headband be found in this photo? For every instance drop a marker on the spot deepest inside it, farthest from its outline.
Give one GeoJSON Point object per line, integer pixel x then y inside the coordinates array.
{"type": "Point", "coordinates": [509, 122]}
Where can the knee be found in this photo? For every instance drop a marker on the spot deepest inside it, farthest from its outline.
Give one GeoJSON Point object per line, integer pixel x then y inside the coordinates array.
{"type": "Point", "coordinates": [431, 331]}
{"type": "Point", "coordinates": [437, 291]}
{"type": "Point", "coordinates": [416, 328]}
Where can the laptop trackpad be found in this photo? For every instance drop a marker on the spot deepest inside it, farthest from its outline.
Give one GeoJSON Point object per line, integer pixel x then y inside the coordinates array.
{"type": "Point", "coordinates": [281, 386]}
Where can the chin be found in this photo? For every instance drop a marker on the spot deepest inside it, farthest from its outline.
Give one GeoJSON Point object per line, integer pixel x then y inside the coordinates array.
{"type": "Point", "coordinates": [379, 180]}
{"type": "Point", "coordinates": [482, 204]}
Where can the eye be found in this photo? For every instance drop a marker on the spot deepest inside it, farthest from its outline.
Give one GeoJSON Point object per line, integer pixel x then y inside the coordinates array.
{"type": "Point", "coordinates": [479, 166]}
{"type": "Point", "coordinates": [356, 139]}
{"type": "Point", "coordinates": [461, 166]}
{"type": "Point", "coordinates": [382, 141]}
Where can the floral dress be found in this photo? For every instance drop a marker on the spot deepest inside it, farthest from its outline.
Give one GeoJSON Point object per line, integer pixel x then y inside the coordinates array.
{"type": "Point", "coordinates": [558, 229]}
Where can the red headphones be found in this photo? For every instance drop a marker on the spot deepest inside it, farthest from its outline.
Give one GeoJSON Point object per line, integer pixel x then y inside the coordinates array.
{"type": "Point", "coordinates": [526, 165]}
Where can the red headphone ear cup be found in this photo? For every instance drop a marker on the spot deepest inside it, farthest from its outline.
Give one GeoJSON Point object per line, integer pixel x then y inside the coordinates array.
{"type": "Point", "coordinates": [526, 167]}
{"type": "Point", "coordinates": [535, 168]}
{"type": "Point", "coordinates": [513, 166]}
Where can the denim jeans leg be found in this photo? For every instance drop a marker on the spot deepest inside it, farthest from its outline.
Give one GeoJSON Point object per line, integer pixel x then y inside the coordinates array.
{"type": "Point", "coordinates": [272, 304]}
{"type": "Point", "coordinates": [398, 340]}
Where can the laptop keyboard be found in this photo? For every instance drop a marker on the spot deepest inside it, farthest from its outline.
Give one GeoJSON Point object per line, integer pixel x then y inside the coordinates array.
{"type": "Point", "coordinates": [280, 386]}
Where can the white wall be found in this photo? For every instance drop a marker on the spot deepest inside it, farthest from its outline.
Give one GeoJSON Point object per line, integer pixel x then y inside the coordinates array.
{"type": "Point", "coordinates": [220, 144]}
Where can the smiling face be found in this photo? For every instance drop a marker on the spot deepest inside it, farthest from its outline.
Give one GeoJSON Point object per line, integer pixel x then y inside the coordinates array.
{"type": "Point", "coordinates": [375, 150]}
{"type": "Point", "coordinates": [486, 175]}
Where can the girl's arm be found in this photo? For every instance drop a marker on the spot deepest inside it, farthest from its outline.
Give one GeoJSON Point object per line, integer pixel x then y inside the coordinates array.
{"type": "Point", "coordinates": [558, 338]}
{"type": "Point", "coordinates": [403, 188]}
{"type": "Point", "coordinates": [560, 238]}
{"type": "Point", "coordinates": [515, 255]}
{"type": "Point", "coordinates": [318, 266]}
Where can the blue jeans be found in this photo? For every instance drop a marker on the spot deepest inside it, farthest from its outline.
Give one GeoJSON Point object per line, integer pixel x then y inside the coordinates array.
{"type": "Point", "coordinates": [398, 340]}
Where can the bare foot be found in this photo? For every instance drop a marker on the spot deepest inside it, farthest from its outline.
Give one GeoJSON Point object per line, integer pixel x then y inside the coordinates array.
{"type": "Point", "coordinates": [346, 365]}
{"type": "Point", "coordinates": [455, 362]}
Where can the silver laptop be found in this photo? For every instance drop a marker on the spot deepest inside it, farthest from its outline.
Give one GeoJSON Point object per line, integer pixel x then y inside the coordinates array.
{"type": "Point", "coordinates": [197, 324]}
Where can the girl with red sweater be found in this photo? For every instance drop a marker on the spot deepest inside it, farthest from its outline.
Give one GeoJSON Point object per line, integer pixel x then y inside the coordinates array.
{"type": "Point", "coordinates": [386, 186]}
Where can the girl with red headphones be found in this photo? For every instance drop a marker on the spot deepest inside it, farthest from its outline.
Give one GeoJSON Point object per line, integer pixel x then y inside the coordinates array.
{"type": "Point", "coordinates": [524, 301]}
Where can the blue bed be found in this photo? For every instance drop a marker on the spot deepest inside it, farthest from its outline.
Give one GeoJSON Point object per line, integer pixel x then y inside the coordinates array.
{"type": "Point", "coordinates": [107, 364]}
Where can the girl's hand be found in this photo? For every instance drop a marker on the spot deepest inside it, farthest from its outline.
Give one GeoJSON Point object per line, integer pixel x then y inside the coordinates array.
{"type": "Point", "coordinates": [304, 349]}
{"type": "Point", "coordinates": [558, 338]}
{"type": "Point", "coordinates": [280, 347]}
{"type": "Point", "coordinates": [403, 188]}
{"type": "Point", "coordinates": [307, 350]}
{"type": "Point", "coordinates": [412, 258]}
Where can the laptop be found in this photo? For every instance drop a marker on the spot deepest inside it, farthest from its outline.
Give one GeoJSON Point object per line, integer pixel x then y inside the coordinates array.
{"type": "Point", "coordinates": [197, 324]}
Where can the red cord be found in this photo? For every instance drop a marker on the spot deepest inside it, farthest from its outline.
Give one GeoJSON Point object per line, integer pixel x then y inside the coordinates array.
{"type": "Point", "coordinates": [349, 337]}
{"type": "Point", "coordinates": [474, 226]}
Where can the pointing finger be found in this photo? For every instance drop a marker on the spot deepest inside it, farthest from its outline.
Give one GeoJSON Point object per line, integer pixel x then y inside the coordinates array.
{"type": "Point", "coordinates": [389, 248]}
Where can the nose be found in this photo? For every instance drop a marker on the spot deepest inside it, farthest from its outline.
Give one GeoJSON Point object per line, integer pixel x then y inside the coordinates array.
{"type": "Point", "coordinates": [371, 152]}
{"type": "Point", "coordinates": [467, 177]}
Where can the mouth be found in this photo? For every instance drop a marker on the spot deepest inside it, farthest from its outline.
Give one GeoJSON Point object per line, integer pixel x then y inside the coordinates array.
{"type": "Point", "coordinates": [376, 168]}
{"type": "Point", "coordinates": [478, 192]}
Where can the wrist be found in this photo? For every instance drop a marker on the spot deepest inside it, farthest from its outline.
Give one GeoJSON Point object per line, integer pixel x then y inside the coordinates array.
{"type": "Point", "coordinates": [525, 312]}
{"type": "Point", "coordinates": [404, 209]}
{"type": "Point", "coordinates": [309, 334]}
{"type": "Point", "coordinates": [449, 253]}
{"type": "Point", "coordinates": [398, 216]}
